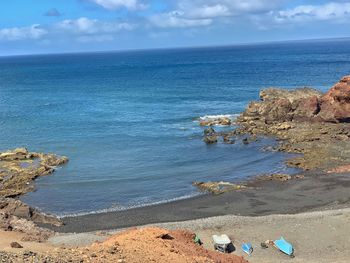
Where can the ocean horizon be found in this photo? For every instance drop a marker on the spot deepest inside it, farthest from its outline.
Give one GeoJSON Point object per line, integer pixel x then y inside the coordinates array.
{"type": "Point", "coordinates": [128, 120]}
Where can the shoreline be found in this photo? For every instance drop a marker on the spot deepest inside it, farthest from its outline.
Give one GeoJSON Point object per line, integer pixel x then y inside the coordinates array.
{"type": "Point", "coordinates": [314, 192]}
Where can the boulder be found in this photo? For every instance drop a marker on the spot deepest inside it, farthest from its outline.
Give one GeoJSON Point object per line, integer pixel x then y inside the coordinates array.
{"type": "Point", "coordinates": [335, 104]}
{"type": "Point", "coordinates": [210, 139]}
{"type": "Point", "coordinates": [307, 108]}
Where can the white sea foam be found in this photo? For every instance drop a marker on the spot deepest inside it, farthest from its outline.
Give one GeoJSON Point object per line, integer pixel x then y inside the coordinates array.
{"type": "Point", "coordinates": [232, 117]}
{"type": "Point", "coordinates": [214, 117]}
{"type": "Point", "coordinates": [123, 208]}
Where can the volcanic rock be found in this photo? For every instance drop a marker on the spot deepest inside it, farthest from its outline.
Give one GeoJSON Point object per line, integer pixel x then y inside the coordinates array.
{"type": "Point", "coordinates": [335, 104]}
{"type": "Point", "coordinates": [18, 168]}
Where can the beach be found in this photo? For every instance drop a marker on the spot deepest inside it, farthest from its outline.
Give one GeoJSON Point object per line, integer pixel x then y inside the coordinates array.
{"type": "Point", "coordinates": [321, 236]}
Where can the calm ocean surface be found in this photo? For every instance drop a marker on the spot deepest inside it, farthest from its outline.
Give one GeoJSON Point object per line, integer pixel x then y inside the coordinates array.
{"type": "Point", "coordinates": [126, 120]}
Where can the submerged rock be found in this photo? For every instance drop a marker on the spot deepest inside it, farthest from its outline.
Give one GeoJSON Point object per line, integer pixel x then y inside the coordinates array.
{"type": "Point", "coordinates": [228, 139]}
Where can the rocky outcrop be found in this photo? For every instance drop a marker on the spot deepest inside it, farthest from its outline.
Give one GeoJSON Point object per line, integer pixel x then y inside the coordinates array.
{"type": "Point", "coordinates": [32, 232]}
{"type": "Point", "coordinates": [280, 105]}
{"type": "Point", "coordinates": [305, 121]}
{"type": "Point", "coordinates": [19, 209]}
{"type": "Point", "coordinates": [335, 105]}
{"type": "Point", "coordinates": [19, 167]}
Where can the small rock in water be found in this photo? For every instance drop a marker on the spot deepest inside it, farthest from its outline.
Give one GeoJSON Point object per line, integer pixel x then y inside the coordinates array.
{"type": "Point", "coordinates": [228, 140]}
{"type": "Point", "coordinates": [245, 141]}
{"type": "Point", "coordinates": [210, 139]}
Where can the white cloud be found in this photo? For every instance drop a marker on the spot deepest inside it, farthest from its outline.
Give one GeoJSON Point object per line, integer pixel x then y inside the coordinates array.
{"type": "Point", "coordinates": [191, 13]}
{"type": "Point", "coordinates": [88, 26]}
{"type": "Point", "coordinates": [222, 8]}
{"type": "Point", "coordinates": [82, 29]}
{"type": "Point", "coordinates": [332, 11]}
{"type": "Point", "coordinates": [20, 33]}
{"type": "Point", "coordinates": [116, 4]}
{"type": "Point", "coordinates": [207, 11]}
{"type": "Point", "coordinates": [177, 19]}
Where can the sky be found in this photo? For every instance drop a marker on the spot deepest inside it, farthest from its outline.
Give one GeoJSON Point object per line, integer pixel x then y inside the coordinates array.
{"type": "Point", "coordinates": [60, 26]}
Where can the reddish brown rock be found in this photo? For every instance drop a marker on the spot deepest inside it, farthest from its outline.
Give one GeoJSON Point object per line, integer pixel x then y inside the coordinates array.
{"type": "Point", "coordinates": [335, 104]}
{"type": "Point", "coordinates": [307, 108]}
{"type": "Point", "coordinates": [281, 105]}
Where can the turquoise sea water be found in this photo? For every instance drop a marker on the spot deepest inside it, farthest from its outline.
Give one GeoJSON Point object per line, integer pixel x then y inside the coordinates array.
{"type": "Point", "coordinates": [127, 121]}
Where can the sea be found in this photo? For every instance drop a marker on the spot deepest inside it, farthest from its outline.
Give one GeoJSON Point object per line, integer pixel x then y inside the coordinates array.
{"type": "Point", "coordinates": [128, 121]}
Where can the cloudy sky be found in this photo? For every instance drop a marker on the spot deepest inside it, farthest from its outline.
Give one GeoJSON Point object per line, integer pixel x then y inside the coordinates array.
{"type": "Point", "coordinates": [55, 26]}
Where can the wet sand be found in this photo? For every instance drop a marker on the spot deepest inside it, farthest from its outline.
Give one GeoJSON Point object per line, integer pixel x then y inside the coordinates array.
{"type": "Point", "coordinates": [315, 192]}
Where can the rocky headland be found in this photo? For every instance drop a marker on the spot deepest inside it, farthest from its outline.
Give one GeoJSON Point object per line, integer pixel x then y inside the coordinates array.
{"type": "Point", "coordinates": [304, 121]}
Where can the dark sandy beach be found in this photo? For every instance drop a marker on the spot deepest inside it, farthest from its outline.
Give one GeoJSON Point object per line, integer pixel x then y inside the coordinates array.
{"type": "Point", "coordinates": [314, 192]}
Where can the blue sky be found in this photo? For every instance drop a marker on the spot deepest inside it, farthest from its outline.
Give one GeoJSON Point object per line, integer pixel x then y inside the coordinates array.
{"type": "Point", "coordinates": [56, 26]}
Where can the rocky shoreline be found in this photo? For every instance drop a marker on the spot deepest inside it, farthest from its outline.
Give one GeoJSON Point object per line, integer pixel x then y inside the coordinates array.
{"type": "Point", "coordinates": [304, 121]}
{"type": "Point", "coordinates": [18, 169]}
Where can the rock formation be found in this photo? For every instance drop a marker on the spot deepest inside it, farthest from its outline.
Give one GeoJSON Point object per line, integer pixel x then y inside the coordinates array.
{"type": "Point", "coordinates": [335, 104]}
{"type": "Point", "coordinates": [306, 104]}
{"type": "Point", "coordinates": [305, 121]}
{"type": "Point", "coordinates": [18, 168]}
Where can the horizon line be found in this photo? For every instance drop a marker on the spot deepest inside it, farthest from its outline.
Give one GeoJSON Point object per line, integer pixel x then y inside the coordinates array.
{"type": "Point", "coordinates": [182, 47]}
